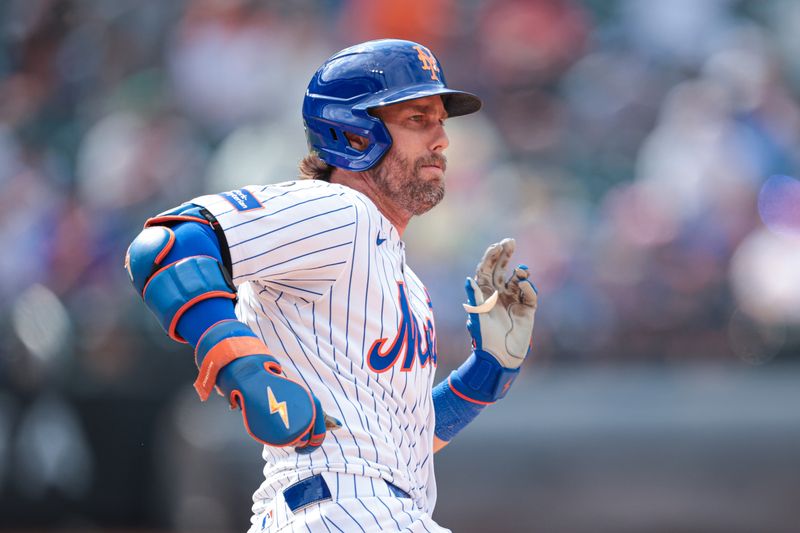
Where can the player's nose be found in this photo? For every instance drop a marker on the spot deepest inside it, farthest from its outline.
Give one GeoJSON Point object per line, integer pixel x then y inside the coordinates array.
{"type": "Point", "coordinates": [440, 140]}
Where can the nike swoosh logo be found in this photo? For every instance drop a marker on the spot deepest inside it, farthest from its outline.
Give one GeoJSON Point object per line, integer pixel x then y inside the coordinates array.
{"type": "Point", "coordinates": [379, 241]}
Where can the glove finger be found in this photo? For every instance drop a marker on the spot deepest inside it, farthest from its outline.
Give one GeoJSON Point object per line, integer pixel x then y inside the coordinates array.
{"type": "Point", "coordinates": [484, 273]}
{"type": "Point", "coordinates": [507, 247]}
{"type": "Point", "coordinates": [477, 303]}
{"type": "Point", "coordinates": [316, 435]}
{"type": "Point", "coordinates": [529, 294]}
{"type": "Point", "coordinates": [474, 293]}
{"type": "Point", "coordinates": [332, 423]}
{"type": "Point", "coordinates": [520, 273]}
{"type": "Point", "coordinates": [520, 277]}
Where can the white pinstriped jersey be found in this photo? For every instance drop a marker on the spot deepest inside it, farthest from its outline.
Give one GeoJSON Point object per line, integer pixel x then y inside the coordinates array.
{"type": "Point", "coordinates": [321, 277]}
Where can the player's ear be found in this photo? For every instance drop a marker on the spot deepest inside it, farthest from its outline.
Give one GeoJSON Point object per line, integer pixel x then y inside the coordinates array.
{"type": "Point", "coordinates": [357, 141]}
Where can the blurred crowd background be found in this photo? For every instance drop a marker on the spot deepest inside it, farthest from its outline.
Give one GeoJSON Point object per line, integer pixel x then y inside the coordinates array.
{"type": "Point", "coordinates": [645, 154]}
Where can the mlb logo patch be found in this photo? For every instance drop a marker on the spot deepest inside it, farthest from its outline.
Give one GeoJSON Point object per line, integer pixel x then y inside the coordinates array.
{"type": "Point", "coordinates": [268, 519]}
{"type": "Point", "coordinates": [242, 200]}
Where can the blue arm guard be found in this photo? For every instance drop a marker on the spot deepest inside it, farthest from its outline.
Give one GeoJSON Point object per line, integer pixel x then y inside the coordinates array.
{"type": "Point", "coordinates": [178, 266]}
{"type": "Point", "coordinates": [174, 275]}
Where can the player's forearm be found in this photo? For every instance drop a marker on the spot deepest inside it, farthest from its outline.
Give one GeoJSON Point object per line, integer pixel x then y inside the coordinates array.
{"type": "Point", "coordinates": [453, 413]}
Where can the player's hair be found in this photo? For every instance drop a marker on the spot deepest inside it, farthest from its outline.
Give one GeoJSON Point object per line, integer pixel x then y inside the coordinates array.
{"type": "Point", "coordinates": [314, 168]}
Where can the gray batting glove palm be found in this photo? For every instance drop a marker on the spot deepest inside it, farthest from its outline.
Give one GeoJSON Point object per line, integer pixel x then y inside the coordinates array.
{"type": "Point", "coordinates": [501, 309]}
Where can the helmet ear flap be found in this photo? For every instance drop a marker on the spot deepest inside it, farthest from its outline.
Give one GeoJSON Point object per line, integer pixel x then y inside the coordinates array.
{"type": "Point", "coordinates": [323, 133]}
{"type": "Point", "coordinates": [328, 139]}
{"type": "Point", "coordinates": [356, 141]}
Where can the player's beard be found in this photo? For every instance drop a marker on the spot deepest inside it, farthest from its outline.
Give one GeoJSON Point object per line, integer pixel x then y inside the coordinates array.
{"type": "Point", "coordinates": [404, 183]}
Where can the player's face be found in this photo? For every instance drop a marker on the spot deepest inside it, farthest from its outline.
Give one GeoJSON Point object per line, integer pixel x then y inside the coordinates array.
{"type": "Point", "coordinates": [412, 171]}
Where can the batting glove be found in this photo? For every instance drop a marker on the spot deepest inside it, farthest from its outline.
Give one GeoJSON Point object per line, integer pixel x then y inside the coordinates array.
{"type": "Point", "coordinates": [501, 316]}
{"type": "Point", "coordinates": [501, 311]}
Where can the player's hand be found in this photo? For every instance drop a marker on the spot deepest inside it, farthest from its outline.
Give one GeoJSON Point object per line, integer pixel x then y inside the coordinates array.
{"type": "Point", "coordinates": [276, 411]}
{"type": "Point", "coordinates": [501, 308]}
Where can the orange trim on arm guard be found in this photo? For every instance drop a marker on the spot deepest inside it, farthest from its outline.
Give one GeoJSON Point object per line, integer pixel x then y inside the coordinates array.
{"type": "Point", "coordinates": [222, 353]}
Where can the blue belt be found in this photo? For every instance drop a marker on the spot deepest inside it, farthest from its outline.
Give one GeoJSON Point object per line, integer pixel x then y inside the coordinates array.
{"type": "Point", "coordinates": [314, 489]}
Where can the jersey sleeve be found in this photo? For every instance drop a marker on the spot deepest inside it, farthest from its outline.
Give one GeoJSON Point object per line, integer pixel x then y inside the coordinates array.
{"type": "Point", "coordinates": [294, 237]}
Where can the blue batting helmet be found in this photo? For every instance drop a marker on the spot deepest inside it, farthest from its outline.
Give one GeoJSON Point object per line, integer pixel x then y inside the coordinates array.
{"type": "Point", "coordinates": [363, 77]}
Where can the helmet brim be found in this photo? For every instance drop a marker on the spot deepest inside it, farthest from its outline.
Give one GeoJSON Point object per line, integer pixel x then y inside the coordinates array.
{"type": "Point", "coordinates": [456, 103]}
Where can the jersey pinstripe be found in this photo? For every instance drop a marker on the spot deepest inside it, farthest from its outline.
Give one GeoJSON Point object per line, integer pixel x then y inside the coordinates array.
{"type": "Point", "coordinates": [322, 278]}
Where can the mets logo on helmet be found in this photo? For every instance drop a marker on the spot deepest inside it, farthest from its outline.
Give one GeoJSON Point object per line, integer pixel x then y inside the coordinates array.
{"type": "Point", "coordinates": [428, 61]}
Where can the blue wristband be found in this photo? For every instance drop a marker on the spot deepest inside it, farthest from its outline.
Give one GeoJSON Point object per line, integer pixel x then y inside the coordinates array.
{"type": "Point", "coordinates": [482, 379]}
{"type": "Point", "coordinates": [452, 413]}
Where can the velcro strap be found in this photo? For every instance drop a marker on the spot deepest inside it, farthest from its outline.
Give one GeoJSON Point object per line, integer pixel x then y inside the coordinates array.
{"type": "Point", "coordinates": [222, 353]}
{"type": "Point", "coordinates": [178, 286]}
{"type": "Point", "coordinates": [176, 215]}
{"type": "Point", "coordinates": [162, 220]}
{"type": "Point", "coordinates": [482, 379]}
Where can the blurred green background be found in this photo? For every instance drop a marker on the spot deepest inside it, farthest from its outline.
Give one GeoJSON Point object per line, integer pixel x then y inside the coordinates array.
{"type": "Point", "coordinates": [644, 154]}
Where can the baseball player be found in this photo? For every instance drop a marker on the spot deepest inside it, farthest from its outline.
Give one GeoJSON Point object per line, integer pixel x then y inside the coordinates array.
{"type": "Point", "coordinates": [304, 315]}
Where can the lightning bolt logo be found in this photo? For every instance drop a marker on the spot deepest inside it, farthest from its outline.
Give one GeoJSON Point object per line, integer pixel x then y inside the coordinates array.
{"type": "Point", "coordinates": [278, 407]}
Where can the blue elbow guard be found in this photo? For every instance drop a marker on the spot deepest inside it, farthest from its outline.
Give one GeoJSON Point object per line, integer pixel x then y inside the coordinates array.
{"type": "Point", "coordinates": [481, 379]}
{"type": "Point", "coordinates": [176, 287]}
{"type": "Point", "coordinates": [169, 290]}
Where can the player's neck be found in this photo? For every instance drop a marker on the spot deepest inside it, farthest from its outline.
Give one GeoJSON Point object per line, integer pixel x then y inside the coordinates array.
{"type": "Point", "coordinates": [362, 183]}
